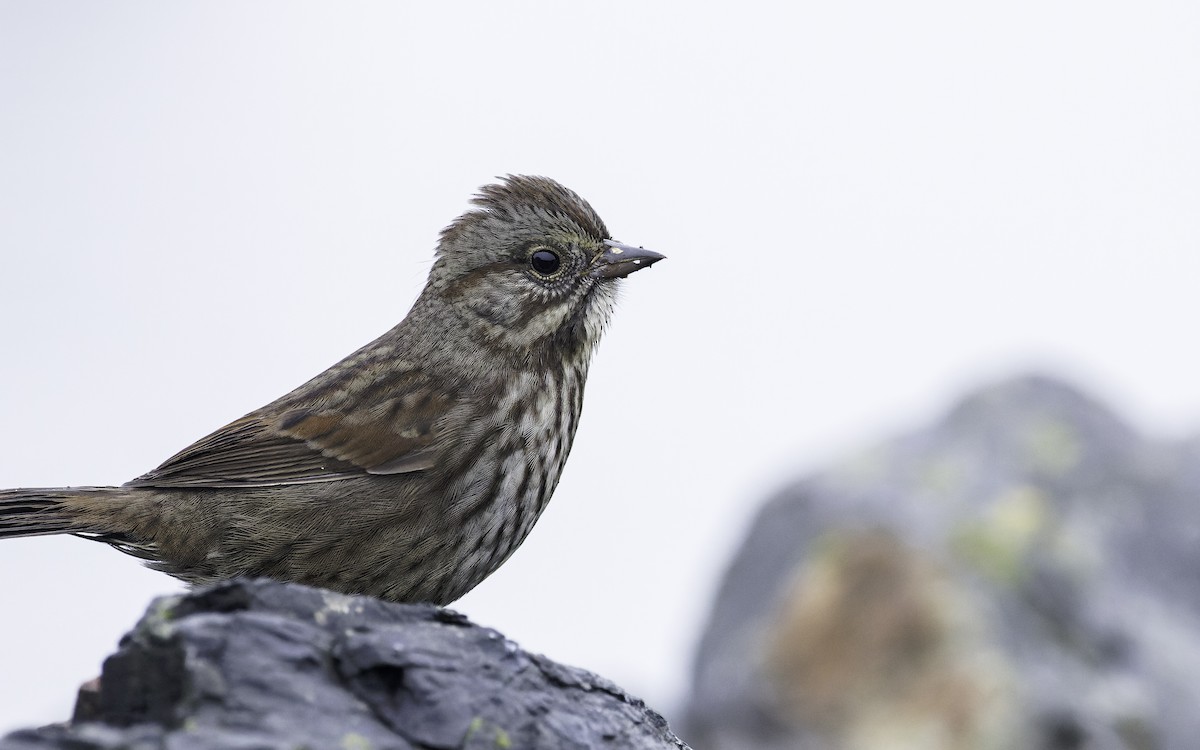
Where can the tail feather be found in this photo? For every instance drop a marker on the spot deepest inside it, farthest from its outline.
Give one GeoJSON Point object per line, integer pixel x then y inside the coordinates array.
{"type": "Point", "coordinates": [33, 512]}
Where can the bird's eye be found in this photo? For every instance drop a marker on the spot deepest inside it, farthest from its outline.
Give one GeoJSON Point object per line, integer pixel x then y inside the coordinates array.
{"type": "Point", "coordinates": [545, 261]}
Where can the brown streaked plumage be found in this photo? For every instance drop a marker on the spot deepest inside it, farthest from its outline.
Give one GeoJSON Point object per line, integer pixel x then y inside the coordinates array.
{"type": "Point", "coordinates": [414, 467]}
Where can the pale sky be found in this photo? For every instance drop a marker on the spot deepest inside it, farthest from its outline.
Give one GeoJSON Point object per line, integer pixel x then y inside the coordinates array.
{"type": "Point", "coordinates": [867, 208]}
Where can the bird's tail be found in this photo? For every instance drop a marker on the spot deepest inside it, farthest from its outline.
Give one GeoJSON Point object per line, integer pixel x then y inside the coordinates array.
{"type": "Point", "coordinates": [32, 512]}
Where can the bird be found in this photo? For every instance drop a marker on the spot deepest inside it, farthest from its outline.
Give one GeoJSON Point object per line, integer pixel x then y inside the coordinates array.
{"type": "Point", "coordinates": [413, 468]}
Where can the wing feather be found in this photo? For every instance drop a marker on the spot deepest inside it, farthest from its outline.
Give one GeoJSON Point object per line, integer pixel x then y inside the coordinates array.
{"type": "Point", "coordinates": [304, 444]}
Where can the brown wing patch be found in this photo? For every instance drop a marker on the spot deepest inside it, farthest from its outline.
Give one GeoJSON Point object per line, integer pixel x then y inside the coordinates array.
{"type": "Point", "coordinates": [303, 445]}
{"type": "Point", "coordinates": [246, 453]}
{"type": "Point", "coordinates": [394, 439]}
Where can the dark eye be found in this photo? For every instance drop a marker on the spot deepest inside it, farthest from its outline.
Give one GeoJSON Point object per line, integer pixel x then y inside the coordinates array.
{"type": "Point", "coordinates": [545, 262]}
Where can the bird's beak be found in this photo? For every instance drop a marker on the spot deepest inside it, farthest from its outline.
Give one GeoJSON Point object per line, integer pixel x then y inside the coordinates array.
{"type": "Point", "coordinates": [618, 260]}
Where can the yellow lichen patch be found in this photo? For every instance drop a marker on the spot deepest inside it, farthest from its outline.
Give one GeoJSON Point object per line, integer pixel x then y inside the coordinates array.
{"type": "Point", "coordinates": [1053, 446]}
{"type": "Point", "coordinates": [478, 725]}
{"type": "Point", "coordinates": [475, 725]}
{"type": "Point", "coordinates": [998, 543]}
{"type": "Point", "coordinates": [355, 741]}
{"type": "Point", "coordinates": [1020, 514]}
{"type": "Point", "coordinates": [164, 607]}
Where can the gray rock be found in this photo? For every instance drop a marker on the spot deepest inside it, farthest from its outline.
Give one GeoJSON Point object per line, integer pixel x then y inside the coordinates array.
{"type": "Point", "coordinates": [258, 664]}
{"type": "Point", "coordinates": [1024, 573]}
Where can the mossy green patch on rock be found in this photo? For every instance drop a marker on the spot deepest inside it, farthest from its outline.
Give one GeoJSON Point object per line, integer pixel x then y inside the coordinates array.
{"type": "Point", "coordinates": [355, 741]}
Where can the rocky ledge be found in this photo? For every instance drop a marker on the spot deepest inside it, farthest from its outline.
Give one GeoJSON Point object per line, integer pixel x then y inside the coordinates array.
{"type": "Point", "coordinates": [259, 664]}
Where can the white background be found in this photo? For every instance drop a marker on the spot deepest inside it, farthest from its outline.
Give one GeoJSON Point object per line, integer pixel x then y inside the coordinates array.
{"type": "Point", "coordinates": [867, 207]}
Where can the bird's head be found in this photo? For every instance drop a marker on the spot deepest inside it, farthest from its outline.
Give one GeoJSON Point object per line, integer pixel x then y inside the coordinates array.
{"type": "Point", "coordinates": [532, 265]}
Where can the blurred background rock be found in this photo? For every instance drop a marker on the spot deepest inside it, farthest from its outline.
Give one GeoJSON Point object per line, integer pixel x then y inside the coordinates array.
{"type": "Point", "coordinates": [1021, 573]}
